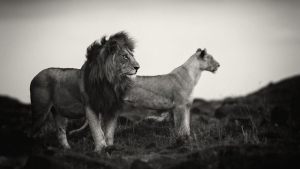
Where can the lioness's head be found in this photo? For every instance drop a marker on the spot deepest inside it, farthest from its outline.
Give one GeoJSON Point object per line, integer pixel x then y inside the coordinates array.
{"type": "Point", "coordinates": [207, 62]}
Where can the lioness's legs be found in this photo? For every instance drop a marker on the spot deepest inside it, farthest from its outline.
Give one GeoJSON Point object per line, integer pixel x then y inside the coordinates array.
{"type": "Point", "coordinates": [110, 125]}
{"type": "Point", "coordinates": [61, 127]}
{"type": "Point", "coordinates": [95, 125]}
{"type": "Point", "coordinates": [182, 120]}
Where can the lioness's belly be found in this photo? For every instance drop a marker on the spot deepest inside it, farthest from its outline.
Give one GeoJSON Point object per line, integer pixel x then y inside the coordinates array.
{"type": "Point", "coordinates": [149, 101]}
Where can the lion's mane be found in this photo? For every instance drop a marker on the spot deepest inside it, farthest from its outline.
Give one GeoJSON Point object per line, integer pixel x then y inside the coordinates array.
{"type": "Point", "coordinates": [105, 85]}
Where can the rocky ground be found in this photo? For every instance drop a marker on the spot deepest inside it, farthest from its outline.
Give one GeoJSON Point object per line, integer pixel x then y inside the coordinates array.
{"type": "Point", "coordinates": [260, 130]}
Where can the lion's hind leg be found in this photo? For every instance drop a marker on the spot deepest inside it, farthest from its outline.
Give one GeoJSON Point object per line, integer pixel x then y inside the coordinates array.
{"type": "Point", "coordinates": [61, 127]}
{"type": "Point", "coordinates": [40, 109]}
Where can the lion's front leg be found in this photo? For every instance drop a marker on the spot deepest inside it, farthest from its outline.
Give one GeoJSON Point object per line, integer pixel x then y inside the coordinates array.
{"type": "Point", "coordinates": [95, 125]}
{"type": "Point", "coordinates": [110, 125]}
{"type": "Point", "coordinates": [182, 120]}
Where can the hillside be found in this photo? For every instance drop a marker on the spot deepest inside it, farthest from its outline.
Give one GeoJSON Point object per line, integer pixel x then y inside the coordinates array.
{"type": "Point", "coordinates": [282, 93]}
{"type": "Point", "coordinates": [244, 132]}
{"type": "Point", "coordinates": [277, 100]}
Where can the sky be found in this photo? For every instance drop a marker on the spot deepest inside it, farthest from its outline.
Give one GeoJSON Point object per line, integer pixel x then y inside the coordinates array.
{"type": "Point", "coordinates": [256, 42]}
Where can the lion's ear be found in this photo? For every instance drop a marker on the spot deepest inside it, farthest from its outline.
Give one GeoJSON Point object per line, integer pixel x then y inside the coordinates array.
{"type": "Point", "coordinates": [104, 52]}
{"type": "Point", "coordinates": [198, 50]}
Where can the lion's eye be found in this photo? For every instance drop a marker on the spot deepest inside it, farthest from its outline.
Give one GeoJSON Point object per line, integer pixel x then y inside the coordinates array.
{"type": "Point", "coordinates": [125, 56]}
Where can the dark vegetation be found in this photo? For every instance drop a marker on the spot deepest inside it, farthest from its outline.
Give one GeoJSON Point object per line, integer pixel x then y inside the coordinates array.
{"type": "Point", "coordinates": [260, 130]}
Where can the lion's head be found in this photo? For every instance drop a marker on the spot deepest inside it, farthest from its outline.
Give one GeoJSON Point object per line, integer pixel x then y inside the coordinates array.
{"type": "Point", "coordinates": [207, 61]}
{"type": "Point", "coordinates": [110, 69]}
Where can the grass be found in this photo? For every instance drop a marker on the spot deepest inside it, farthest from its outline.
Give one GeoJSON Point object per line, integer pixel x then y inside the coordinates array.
{"type": "Point", "coordinates": [143, 138]}
{"type": "Point", "coordinates": [156, 144]}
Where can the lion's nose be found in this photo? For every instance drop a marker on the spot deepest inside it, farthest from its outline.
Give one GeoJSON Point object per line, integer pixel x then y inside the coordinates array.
{"type": "Point", "coordinates": [219, 65]}
{"type": "Point", "coordinates": [136, 68]}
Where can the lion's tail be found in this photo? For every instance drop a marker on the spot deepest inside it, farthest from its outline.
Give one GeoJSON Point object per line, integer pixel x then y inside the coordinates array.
{"type": "Point", "coordinates": [80, 129]}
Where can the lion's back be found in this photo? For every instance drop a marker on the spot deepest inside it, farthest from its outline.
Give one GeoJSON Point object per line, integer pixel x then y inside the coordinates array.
{"type": "Point", "coordinates": [50, 77]}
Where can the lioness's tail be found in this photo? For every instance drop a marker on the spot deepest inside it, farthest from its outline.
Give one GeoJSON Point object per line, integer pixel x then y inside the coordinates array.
{"type": "Point", "coordinates": [41, 103]}
{"type": "Point", "coordinates": [80, 129]}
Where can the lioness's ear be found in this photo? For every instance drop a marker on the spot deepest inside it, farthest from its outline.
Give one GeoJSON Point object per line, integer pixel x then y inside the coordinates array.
{"type": "Point", "coordinates": [203, 54]}
{"type": "Point", "coordinates": [198, 50]}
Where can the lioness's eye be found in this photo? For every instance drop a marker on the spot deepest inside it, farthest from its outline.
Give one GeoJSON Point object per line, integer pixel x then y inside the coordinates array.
{"type": "Point", "coordinates": [125, 56]}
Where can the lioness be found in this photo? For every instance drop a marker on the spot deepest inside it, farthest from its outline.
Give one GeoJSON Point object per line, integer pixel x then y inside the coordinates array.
{"type": "Point", "coordinates": [95, 91]}
{"type": "Point", "coordinates": [171, 92]}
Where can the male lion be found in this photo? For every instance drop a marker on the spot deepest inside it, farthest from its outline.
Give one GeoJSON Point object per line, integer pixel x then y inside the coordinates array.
{"type": "Point", "coordinates": [96, 90]}
{"type": "Point", "coordinates": [171, 92]}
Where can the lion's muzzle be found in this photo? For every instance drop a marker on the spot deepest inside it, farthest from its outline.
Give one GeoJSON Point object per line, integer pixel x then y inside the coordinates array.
{"type": "Point", "coordinates": [132, 74]}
